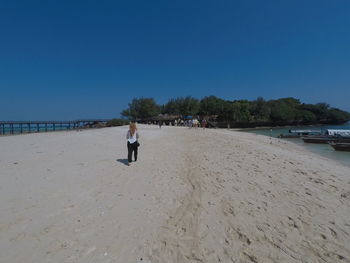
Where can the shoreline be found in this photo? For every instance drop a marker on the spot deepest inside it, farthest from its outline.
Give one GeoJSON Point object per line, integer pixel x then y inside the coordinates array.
{"type": "Point", "coordinates": [307, 147]}
{"type": "Point", "coordinates": [323, 150]}
{"type": "Point", "coordinates": [288, 126]}
{"type": "Point", "coordinates": [193, 195]}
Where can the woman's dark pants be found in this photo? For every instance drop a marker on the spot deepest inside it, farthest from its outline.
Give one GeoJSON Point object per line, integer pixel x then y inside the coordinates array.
{"type": "Point", "coordinates": [132, 147]}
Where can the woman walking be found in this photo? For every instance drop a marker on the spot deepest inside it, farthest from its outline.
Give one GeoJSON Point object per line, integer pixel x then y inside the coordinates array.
{"type": "Point", "coordinates": [132, 137]}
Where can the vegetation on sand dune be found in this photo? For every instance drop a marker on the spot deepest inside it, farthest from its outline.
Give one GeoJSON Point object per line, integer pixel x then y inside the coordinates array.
{"type": "Point", "coordinates": [238, 112]}
{"type": "Point", "coordinates": [116, 122]}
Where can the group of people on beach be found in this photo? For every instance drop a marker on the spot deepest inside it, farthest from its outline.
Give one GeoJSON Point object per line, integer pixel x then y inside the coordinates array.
{"type": "Point", "coordinates": [192, 123]}
{"type": "Point", "coordinates": [195, 123]}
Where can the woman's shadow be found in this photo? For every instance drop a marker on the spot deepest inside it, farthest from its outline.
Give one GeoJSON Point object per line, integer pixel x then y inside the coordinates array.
{"type": "Point", "coordinates": [123, 161]}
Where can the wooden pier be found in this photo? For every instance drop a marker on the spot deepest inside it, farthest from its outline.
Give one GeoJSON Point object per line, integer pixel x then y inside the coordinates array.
{"type": "Point", "coordinates": [18, 127]}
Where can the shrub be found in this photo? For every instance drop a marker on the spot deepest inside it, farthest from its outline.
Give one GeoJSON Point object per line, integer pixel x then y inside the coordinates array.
{"type": "Point", "coordinates": [116, 122]}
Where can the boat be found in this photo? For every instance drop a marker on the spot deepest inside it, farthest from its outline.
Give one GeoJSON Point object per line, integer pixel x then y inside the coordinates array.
{"type": "Point", "coordinates": [326, 139]}
{"type": "Point", "coordinates": [340, 146]}
{"type": "Point", "coordinates": [300, 133]}
{"type": "Point", "coordinates": [330, 135]}
{"type": "Point", "coordinates": [287, 136]}
{"type": "Point", "coordinates": [306, 132]}
{"type": "Point", "coordinates": [338, 132]}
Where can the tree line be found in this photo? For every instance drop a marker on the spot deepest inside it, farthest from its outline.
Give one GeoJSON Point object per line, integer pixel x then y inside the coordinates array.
{"type": "Point", "coordinates": [239, 113]}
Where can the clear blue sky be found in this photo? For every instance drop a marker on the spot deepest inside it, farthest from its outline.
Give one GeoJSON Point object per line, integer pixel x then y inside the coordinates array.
{"type": "Point", "coordinates": [88, 59]}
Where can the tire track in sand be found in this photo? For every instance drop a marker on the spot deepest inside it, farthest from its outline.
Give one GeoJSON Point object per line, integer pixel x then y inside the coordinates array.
{"type": "Point", "coordinates": [178, 240]}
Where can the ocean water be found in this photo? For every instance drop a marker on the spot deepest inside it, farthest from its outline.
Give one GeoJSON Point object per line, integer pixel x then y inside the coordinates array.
{"type": "Point", "coordinates": [321, 149]}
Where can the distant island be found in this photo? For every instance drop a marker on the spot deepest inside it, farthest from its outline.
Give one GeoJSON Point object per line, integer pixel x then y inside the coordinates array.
{"type": "Point", "coordinates": [236, 113]}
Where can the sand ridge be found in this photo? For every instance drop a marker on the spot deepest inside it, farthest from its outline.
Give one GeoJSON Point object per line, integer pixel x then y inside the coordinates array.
{"type": "Point", "coordinates": [193, 196]}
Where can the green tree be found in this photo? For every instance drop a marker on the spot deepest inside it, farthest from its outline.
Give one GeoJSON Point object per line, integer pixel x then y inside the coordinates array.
{"type": "Point", "coordinates": [290, 102]}
{"type": "Point", "coordinates": [188, 106]}
{"type": "Point", "coordinates": [210, 105]}
{"type": "Point", "coordinates": [227, 112]}
{"type": "Point", "coordinates": [319, 110]}
{"type": "Point", "coordinates": [241, 111]}
{"type": "Point", "coordinates": [282, 110]}
{"type": "Point", "coordinates": [335, 115]}
{"type": "Point", "coordinates": [142, 108]}
{"type": "Point", "coordinates": [260, 110]}
{"type": "Point", "coordinates": [237, 111]}
{"type": "Point", "coordinates": [182, 106]}
{"type": "Point", "coordinates": [305, 116]}
{"type": "Point", "coordinates": [173, 106]}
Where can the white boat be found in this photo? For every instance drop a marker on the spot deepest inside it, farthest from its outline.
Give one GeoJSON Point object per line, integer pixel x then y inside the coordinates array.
{"type": "Point", "coordinates": [338, 132]}
{"type": "Point", "coordinates": [305, 132]}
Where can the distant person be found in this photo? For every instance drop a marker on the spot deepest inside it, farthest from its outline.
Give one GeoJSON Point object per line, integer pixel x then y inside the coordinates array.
{"type": "Point", "coordinates": [204, 124]}
{"type": "Point", "coordinates": [132, 136]}
{"type": "Point", "coordinates": [160, 123]}
{"type": "Point", "coordinates": [196, 123]}
{"type": "Point", "coordinates": [189, 124]}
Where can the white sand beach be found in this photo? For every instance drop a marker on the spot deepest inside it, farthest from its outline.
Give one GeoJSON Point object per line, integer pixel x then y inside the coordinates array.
{"type": "Point", "coordinates": [193, 196]}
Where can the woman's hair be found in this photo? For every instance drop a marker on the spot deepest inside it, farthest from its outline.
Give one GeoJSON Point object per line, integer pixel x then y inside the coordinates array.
{"type": "Point", "coordinates": [132, 128]}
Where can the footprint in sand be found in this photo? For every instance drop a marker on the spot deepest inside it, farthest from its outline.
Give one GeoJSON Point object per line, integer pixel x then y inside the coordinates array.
{"type": "Point", "coordinates": [345, 195]}
{"type": "Point", "coordinates": [19, 237]}
{"type": "Point", "coordinates": [334, 234]}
